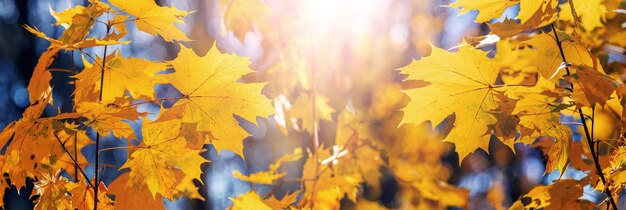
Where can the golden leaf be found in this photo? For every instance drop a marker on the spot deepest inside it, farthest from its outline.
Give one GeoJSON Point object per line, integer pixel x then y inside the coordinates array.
{"type": "Point", "coordinates": [53, 192]}
{"type": "Point", "coordinates": [241, 16]}
{"type": "Point", "coordinates": [270, 176]}
{"type": "Point", "coordinates": [212, 96]}
{"type": "Point", "coordinates": [120, 74]}
{"type": "Point", "coordinates": [154, 19]}
{"type": "Point", "coordinates": [134, 196]}
{"type": "Point", "coordinates": [591, 86]}
{"type": "Point", "coordinates": [467, 76]}
{"type": "Point", "coordinates": [160, 154]}
{"type": "Point", "coordinates": [487, 10]}
{"type": "Point", "coordinates": [249, 200]}
{"type": "Point", "coordinates": [563, 194]}
{"type": "Point", "coordinates": [106, 118]}
{"type": "Point", "coordinates": [546, 55]}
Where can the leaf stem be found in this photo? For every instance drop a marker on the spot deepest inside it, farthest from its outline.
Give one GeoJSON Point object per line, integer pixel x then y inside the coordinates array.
{"type": "Point", "coordinates": [115, 148]}
{"type": "Point", "coordinates": [98, 21]}
{"type": "Point", "coordinates": [95, 61]}
{"type": "Point", "coordinates": [125, 21]}
{"type": "Point", "coordinates": [588, 135]}
{"type": "Point", "coordinates": [65, 70]}
{"type": "Point", "coordinates": [74, 160]}
{"type": "Point", "coordinates": [96, 170]}
{"type": "Point", "coordinates": [74, 110]}
{"type": "Point", "coordinates": [593, 121]}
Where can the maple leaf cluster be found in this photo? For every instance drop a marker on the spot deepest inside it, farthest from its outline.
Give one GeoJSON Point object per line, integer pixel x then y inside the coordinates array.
{"type": "Point", "coordinates": [107, 92]}
{"type": "Point", "coordinates": [513, 84]}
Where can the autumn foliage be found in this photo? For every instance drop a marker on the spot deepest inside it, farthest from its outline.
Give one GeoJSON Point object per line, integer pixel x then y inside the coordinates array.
{"type": "Point", "coordinates": [514, 84]}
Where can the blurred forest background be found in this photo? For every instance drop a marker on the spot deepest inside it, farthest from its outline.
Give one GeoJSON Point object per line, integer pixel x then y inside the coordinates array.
{"type": "Point", "coordinates": [361, 43]}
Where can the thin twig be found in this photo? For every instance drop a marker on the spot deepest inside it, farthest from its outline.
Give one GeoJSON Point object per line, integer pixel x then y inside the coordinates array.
{"type": "Point", "coordinates": [74, 110]}
{"type": "Point", "coordinates": [74, 160]}
{"type": "Point", "coordinates": [125, 21]}
{"type": "Point", "coordinates": [597, 145]}
{"type": "Point", "coordinates": [593, 122]}
{"type": "Point", "coordinates": [64, 70]}
{"type": "Point", "coordinates": [98, 21]}
{"type": "Point", "coordinates": [104, 61]}
{"type": "Point", "coordinates": [114, 148]}
{"type": "Point", "coordinates": [607, 191]}
{"type": "Point", "coordinates": [95, 61]}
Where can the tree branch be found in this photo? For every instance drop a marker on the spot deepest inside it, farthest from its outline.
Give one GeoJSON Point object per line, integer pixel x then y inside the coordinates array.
{"type": "Point", "coordinates": [75, 162]}
{"type": "Point", "coordinates": [104, 61]}
{"type": "Point", "coordinates": [594, 153]}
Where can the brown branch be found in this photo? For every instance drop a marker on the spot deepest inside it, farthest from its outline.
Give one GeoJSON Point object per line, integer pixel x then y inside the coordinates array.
{"type": "Point", "coordinates": [69, 71]}
{"type": "Point", "coordinates": [95, 61]}
{"type": "Point", "coordinates": [73, 71]}
{"type": "Point", "coordinates": [104, 61]}
{"type": "Point", "coordinates": [588, 135]}
{"type": "Point", "coordinates": [115, 148]}
{"type": "Point", "coordinates": [75, 162]}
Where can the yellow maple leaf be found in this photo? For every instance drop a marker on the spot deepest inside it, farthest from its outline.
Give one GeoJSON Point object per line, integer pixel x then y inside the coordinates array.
{"type": "Point", "coordinates": [53, 190]}
{"type": "Point", "coordinates": [3, 186]}
{"type": "Point", "coordinates": [513, 58]}
{"type": "Point", "coordinates": [507, 28]}
{"type": "Point", "coordinates": [546, 55]}
{"type": "Point", "coordinates": [249, 200]}
{"type": "Point", "coordinates": [252, 200]}
{"type": "Point", "coordinates": [505, 127]}
{"type": "Point", "coordinates": [85, 43]}
{"type": "Point", "coordinates": [129, 195]}
{"type": "Point", "coordinates": [83, 196]}
{"type": "Point", "coordinates": [591, 13]}
{"type": "Point", "coordinates": [615, 173]}
{"type": "Point", "coordinates": [271, 175]}
{"type": "Point", "coordinates": [195, 139]}
{"type": "Point", "coordinates": [537, 13]}
{"type": "Point", "coordinates": [461, 83]}
{"type": "Point", "coordinates": [563, 194]}
{"type": "Point", "coordinates": [558, 156]}
{"type": "Point", "coordinates": [532, 13]}
{"type": "Point", "coordinates": [72, 38]}
{"type": "Point", "coordinates": [212, 95]}
{"type": "Point", "coordinates": [64, 18]}
{"type": "Point", "coordinates": [487, 10]}
{"type": "Point", "coordinates": [120, 74]}
{"type": "Point", "coordinates": [160, 154]}
{"type": "Point", "coordinates": [241, 16]}
{"type": "Point", "coordinates": [283, 203]}
{"type": "Point", "coordinates": [83, 21]}
{"type": "Point", "coordinates": [590, 86]}
{"type": "Point", "coordinates": [119, 24]}
{"type": "Point", "coordinates": [154, 19]}
{"type": "Point", "coordinates": [35, 31]}
{"type": "Point", "coordinates": [73, 140]}
{"type": "Point", "coordinates": [538, 109]}
{"type": "Point", "coordinates": [186, 187]}
{"type": "Point", "coordinates": [105, 118]}
{"type": "Point", "coordinates": [262, 177]}
{"type": "Point", "coordinates": [606, 124]}
{"type": "Point", "coordinates": [33, 144]}
{"type": "Point", "coordinates": [39, 83]}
